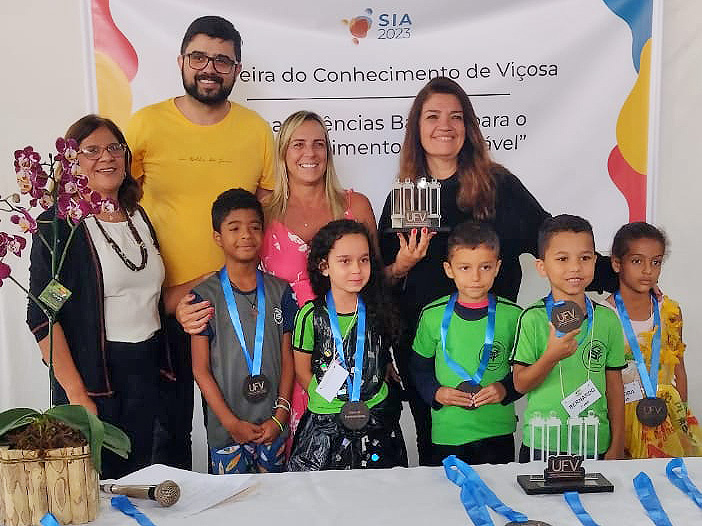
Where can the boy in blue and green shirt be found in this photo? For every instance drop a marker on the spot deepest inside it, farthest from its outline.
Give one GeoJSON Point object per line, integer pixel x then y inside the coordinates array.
{"type": "Point", "coordinates": [551, 367]}
{"type": "Point", "coordinates": [467, 381]}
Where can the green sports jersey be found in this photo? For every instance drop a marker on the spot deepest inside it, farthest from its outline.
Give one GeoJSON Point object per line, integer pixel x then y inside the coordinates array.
{"type": "Point", "coordinates": [601, 349]}
{"type": "Point", "coordinates": [304, 341]}
{"type": "Point", "coordinates": [452, 425]}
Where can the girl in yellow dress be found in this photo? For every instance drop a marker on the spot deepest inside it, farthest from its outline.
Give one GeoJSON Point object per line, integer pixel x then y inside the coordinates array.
{"type": "Point", "coordinates": [637, 255]}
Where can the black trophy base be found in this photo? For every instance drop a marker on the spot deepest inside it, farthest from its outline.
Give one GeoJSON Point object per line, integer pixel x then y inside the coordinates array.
{"type": "Point", "coordinates": [408, 229]}
{"type": "Point", "coordinates": [537, 485]}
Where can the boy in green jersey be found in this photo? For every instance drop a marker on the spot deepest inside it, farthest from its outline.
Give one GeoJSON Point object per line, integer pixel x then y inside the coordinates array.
{"type": "Point", "coordinates": [460, 363]}
{"type": "Point", "coordinates": [576, 376]}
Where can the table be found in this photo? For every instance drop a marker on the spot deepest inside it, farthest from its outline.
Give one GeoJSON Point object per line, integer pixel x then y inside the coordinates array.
{"type": "Point", "coordinates": [424, 496]}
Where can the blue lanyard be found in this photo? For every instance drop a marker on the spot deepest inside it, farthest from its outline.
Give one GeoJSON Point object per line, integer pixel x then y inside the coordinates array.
{"type": "Point", "coordinates": [487, 348]}
{"type": "Point", "coordinates": [49, 520]}
{"type": "Point", "coordinates": [548, 301]}
{"type": "Point", "coordinates": [649, 500]}
{"type": "Point", "coordinates": [255, 364]}
{"type": "Point", "coordinates": [649, 379]}
{"type": "Point", "coordinates": [572, 498]}
{"type": "Point", "coordinates": [476, 495]}
{"type": "Point", "coordinates": [123, 504]}
{"type": "Point", "coordinates": [677, 474]}
{"type": "Point", "coordinates": [354, 389]}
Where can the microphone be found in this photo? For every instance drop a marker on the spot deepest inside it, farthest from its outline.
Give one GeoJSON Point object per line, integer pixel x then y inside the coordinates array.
{"type": "Point", "coordinates": [166, 493]}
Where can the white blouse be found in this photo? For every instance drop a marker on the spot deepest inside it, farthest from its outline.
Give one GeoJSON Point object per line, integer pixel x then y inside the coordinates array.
{"type": "Point", "coordinates": [131, 298]}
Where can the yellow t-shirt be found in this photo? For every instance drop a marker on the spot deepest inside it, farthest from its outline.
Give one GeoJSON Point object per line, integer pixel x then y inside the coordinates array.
{"type": "Point", "coordinates": [183, 167]}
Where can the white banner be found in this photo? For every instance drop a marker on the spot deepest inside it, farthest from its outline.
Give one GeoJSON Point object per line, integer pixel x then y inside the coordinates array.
{"type": "Point", "coordinates": [561, 88]}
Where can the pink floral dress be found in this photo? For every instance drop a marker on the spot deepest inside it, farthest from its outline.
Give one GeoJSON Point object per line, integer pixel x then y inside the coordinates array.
{"type": "Point", "coordinates": [284, 254]}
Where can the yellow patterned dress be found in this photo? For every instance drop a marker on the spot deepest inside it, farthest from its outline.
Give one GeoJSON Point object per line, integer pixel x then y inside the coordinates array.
{"type": "Point", "coordinates": [680, 435]}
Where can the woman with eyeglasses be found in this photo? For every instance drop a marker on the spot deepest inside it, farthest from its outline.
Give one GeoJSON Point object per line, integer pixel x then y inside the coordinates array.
{"type": "Point", "coordinates": [107, 352]}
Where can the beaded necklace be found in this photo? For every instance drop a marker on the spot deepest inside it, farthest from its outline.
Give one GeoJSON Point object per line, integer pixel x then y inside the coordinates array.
{"type": "Point", "coordinates": [142, 248]}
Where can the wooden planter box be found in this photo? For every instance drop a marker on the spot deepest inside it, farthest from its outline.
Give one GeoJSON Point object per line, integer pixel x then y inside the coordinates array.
{"type": "Point", "coordinates": [63, 482]}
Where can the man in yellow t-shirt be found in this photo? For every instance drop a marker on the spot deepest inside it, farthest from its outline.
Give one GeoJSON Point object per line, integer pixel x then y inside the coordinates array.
{"type": "Point", "coordinates": [186, 151]}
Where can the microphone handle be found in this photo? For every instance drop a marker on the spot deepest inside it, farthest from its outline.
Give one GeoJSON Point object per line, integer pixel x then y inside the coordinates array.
{"type": "Point", "coordinates": [136, 491]}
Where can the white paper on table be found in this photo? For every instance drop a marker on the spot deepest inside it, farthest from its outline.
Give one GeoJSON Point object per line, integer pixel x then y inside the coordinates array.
{"type": "Point", "coordinates": [198, 491]}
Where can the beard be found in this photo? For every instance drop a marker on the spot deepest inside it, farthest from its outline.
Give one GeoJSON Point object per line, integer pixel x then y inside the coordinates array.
{"type": "Point", "coordinates": [213, 96]}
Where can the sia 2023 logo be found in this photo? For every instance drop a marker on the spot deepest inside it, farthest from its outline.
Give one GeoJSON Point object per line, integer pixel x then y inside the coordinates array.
{"type": "Point", "coordinates": [389, 26]}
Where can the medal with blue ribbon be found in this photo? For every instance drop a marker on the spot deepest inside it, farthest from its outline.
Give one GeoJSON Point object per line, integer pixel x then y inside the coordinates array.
{"type": "Point", "coordinates": [650, 411]}
{"type": "Point", "coordinates": [354, 414]}
{"type": "Point", "coordinates": [256, 385]}
{"type": "Point", "coordinates": [575, 317]}
{"type": "Point", "coordinates": [572, 498]}
{"type": "Point", "coordinates": [471, 382]}
{"type": "Point", "coordinates": [677, 475]}
{"type": "Point", "coordinates": [476, 496]}
{"type": "Point", "coordinates": [649, 500]}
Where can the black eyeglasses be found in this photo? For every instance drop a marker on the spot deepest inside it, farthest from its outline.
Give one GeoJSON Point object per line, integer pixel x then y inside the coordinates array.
{"type": "Point", "coordinates": [115, 149]}
{"type": "Point", "coordinates": [222, 63]}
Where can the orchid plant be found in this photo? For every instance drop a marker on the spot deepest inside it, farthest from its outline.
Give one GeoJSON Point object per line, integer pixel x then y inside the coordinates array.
{"type": "Point", "coordinates": [64, 188]}
{"type": "Point", "coordinates": [56, 184]}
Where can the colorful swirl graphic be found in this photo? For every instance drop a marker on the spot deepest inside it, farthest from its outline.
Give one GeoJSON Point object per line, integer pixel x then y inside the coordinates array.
{"type": "Point", "coordinates": [116, 64]}
{"type": "Point", "coordinates": [627, 163]}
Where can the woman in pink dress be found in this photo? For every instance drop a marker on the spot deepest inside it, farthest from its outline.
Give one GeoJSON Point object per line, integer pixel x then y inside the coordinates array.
{"type": "Point", "coordinates": [306, 197]}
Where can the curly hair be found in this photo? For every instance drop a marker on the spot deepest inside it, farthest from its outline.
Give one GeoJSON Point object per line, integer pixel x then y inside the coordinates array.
{"type": "Point", "coordinates": [234, 199]}
{"type": "Point", "coordinates": [382, 316]}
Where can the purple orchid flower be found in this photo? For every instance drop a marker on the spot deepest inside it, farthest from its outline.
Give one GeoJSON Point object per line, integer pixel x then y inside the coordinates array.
{"type": "Point", "coordinates": [25, 221]}
{"type": "Point", "coordinates": [4, 240]}
{"type": "Point", "coordinates": [16, 244]}
{"type": "Point", "coordinates": [4, 272]}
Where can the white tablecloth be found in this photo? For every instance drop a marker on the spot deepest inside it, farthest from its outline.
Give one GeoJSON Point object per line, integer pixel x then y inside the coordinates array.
{"type": "Point", "coordinates": [424, 496]}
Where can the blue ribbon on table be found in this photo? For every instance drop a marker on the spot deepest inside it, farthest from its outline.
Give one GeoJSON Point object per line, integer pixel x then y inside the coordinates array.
{"type": "Point", "coordinates": [476, 495]}
{"type": "Point", "coordinates": [649, 379]}
{"type": "Point", "coordinates": [123, 504]}
{"type": "Point", "coordinates": [649, 500]}
{"type": "Point", "coordinates": [548, 301]}
{"type": "Point", "coordinates": [677, 474]}
{"type": "Point", "coordinates": [487, 347]}
{"type": "Point", "coordinates": [49, 520]}
{"type": "Point", "coordinates": [354, 389]}
{"type": "Point", "coordinates": [572, 498]}
{"type": "Point", "coordinates": [254, 364]}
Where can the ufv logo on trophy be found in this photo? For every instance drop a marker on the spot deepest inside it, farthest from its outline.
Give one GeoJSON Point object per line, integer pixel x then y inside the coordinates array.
{"type": "Point", "coordinates": [416, 205]}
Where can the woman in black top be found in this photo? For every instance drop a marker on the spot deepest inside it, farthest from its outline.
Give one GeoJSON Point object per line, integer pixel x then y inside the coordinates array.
{"type": "Point", "coordinates": [107, 351]}
{"type": "Point", "coordinates": [443, 141]}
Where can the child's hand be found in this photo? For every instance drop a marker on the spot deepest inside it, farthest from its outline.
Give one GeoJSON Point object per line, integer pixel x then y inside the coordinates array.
{"type": "Point", "coordinates": [391, 374]}
{"type": "Point", "coordinates": [490, 394]}
{"type": "Point", "coordinates": [613, 453]}
{"type": "Point", "coordinates": [450, 396]}
{"type": "Point", "coordinates": [563, 346]}
{"type": "Point", "coordinates": [242, 431]}
{"type": "Point", "coordinates": [270, 431]}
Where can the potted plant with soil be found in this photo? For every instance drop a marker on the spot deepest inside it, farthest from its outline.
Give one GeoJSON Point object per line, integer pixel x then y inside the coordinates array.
{"type": "Point", "coordinates": [49, 462]}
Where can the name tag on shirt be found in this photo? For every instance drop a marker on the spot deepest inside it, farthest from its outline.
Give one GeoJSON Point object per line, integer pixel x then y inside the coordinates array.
{"type": "Point", "coordinates": [332, 381]}
{"type": "Point", "coordinates": [580, 399]}
{"type": "Point", "coordinates": [633, 390]}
